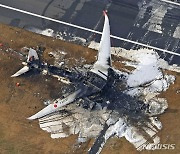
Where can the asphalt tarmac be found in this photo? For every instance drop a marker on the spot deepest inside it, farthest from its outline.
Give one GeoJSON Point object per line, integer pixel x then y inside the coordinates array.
{"type": "Point", "coordinates": [150, 22]}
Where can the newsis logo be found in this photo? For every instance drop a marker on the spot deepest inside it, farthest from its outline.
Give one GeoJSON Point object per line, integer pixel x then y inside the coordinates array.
{"type": "Point", "coordinates": [159, 147]}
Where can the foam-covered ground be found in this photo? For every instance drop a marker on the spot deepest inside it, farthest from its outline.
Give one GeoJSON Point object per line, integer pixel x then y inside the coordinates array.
{"type": "Point", "coordinates": [146, 82]}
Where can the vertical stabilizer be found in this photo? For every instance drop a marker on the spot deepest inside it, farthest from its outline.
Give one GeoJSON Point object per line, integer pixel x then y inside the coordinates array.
{"type": "Point", "coordinates": [104, 53]}
{"type": "Point", "coordinates": [32, 55]}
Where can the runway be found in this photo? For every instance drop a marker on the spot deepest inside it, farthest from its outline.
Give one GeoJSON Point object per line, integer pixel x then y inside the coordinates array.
{"type": "Point", "coordinates": [154, 23]}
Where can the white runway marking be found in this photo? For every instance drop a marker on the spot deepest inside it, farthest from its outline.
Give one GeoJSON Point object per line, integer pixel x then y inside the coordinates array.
{"type": "Point", "coordinates": [86, 29]}
{"type": "Point", "coordinates": [171, 2]}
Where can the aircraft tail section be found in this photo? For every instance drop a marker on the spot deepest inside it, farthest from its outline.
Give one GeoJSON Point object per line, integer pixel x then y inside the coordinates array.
{"type": "Point", "coordinates": [32, 55]}
{"type": "Point", "coordinates": [104, 53]}
{"type": "Point", "coordinates": [21, 71]}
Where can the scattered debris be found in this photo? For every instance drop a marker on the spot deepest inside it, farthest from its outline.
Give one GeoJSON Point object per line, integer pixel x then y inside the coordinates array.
{"type": "Point", "coordinates": [177, 91]}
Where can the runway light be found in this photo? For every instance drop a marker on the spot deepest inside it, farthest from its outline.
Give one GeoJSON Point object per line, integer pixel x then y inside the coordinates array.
{"type": "Point", "coordinates": [17, 84]}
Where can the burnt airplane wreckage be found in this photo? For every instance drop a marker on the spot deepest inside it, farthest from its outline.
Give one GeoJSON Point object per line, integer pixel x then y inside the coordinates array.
{"type": "Point", "coordinates": [100, 87]}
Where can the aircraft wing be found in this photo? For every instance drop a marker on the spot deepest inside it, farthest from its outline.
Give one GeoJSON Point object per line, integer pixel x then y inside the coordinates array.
{"type": "Point", "coordinates": [58, 103]}
{"type": "Point", "coordinates": [32, 53]}
{"type": "Point", "coordinates": [21, 71]}
{"type": "Point", "coordinates": [104, 54]}
{"type": "Point", "coordinates": [82, 92]}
